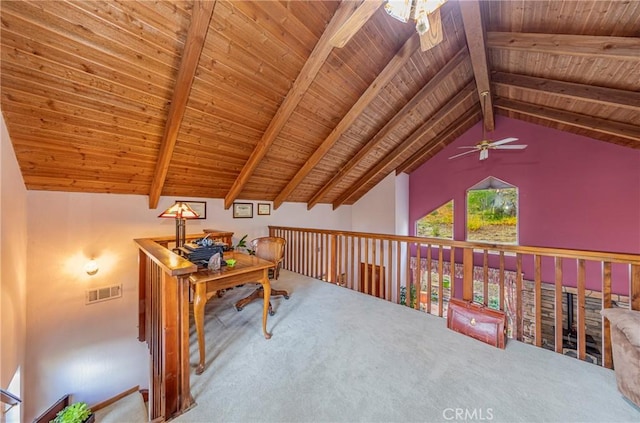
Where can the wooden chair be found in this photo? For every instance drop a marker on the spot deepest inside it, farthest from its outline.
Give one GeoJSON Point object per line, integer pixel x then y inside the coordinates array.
{"type": "Point", "coordinates": [272, 249]}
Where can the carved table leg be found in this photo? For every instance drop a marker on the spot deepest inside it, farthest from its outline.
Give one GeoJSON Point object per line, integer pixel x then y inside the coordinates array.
{"type": "Point", "coordinates": [200, 299]}
{"type": "Point", "coordinates": [266, 287]}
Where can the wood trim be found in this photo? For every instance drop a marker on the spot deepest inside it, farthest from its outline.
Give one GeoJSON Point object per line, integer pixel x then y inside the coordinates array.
{"type": "Point", "coordinates": [411, 140]}
{"type": "Point", "coordinates": [604, 126]}
{"type": "Point", "coordinates": [599, 95]}
{"type": "Point", "coordinates": [356, 21]}
{"type": "Point", "coordinates": [114, 399]}
{"type": "Point", "coordinates": [626, 48]}
{"type": "Point", "coordinates": [306, 76]}
{"type": "Point", "coordinates": [391, 125]}
{"type": "Point", "coordinates": [394, 65]}
{"type": "Point", "coordinates": [475, 34]}
{"type": "Point", "coordinates": [198, 28]}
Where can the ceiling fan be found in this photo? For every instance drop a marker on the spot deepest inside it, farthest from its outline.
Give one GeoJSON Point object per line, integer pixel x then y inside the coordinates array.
{"type": "Point", "coordinates": [485, 145]}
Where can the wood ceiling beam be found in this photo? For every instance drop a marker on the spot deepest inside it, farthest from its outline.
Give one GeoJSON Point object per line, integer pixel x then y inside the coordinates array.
{"type": "Point", "coordinates": [626, 48]}
{"type": "Point", "coordinates": [465, 94]}
{"type": "Point", "coordinates": [304, 79]}
{"type": "Point", "coordinates": [592, 123]}
{"type": "Point", "coordinates": [383, 78]}
{"type": "Point", "coordinates": [475, 34]}
{"type": "Point", "coordinates": [392, 124]}
{"type": "Point", "coordinates": [591, 93]}
{"type": "Point", "coordinates": [463, 123]}
{"type": "Point", "coordinates": [198, 28]}
{"type": "Point", "coordinates": [351, 26]}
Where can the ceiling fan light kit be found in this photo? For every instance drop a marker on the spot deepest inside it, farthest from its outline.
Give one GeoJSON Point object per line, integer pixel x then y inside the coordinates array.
{"type": "Point", "coordinates": [419, 10]}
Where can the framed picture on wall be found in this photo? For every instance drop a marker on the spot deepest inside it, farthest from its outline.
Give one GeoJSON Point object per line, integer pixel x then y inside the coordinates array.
{"type": "Point", "coordinates": [199, 207]}
{"type": "Point", "coordinates": [242, 210]}
{"type": "Point", "coordinates": [264, 208]}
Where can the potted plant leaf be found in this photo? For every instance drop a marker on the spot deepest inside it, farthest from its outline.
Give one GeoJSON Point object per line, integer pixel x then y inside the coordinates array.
{"type": "Point", "coordinates": [78, 412]}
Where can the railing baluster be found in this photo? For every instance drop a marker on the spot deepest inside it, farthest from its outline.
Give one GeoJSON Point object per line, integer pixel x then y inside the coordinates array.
{"type": "Point", "coordinates": [519, 296]}
{"type": "Point", "coordinates": [417, 283]}
{"type": "Point", "coordinates": [441, 282]}
{"type": "Point", "coordinates": [398, 270]}
{"type": "Point", "coordinates": [607, 354]}
{"type": "Point", "coordinates": [501, 280]}
{"type": "Point", "coordinates": [558, 306]}
{"type": "Point", "coordinates": [537, 259]}
{"type": "Point", "coordinates": [485, 280]}
{"type": "Point", "coordinates": [429, 278]}
{"type": "Point", "coordinates": [582, 339]}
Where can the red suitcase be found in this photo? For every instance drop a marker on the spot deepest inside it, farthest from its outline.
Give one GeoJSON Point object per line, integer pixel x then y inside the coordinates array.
{"type": "Point", "coordinates": [477, 321]}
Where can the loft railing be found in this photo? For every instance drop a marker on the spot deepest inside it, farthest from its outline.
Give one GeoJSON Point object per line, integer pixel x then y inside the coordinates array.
{"type": "Point", "coordinates": [163, 323]}
{"type": "Point", "coordinates": [531, 284]}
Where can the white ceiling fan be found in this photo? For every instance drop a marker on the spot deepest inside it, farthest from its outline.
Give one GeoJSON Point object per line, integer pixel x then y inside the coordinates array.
{"type": "Point", "coordinates": [485, 145]}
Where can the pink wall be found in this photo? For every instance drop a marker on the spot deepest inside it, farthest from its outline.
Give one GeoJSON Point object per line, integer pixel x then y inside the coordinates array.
{"type": "Point", "coordinates": [575, 192]}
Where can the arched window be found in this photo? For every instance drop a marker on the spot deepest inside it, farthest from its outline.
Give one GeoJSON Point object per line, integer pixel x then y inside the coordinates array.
{"type": "Point", "coordinates": [492, 212]}
{"type": "Point", "coordinates": [438, 223]}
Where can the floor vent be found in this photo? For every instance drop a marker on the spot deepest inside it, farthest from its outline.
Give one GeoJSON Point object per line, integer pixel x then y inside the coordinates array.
{"type": "Point", "coordinates": [103, 294]}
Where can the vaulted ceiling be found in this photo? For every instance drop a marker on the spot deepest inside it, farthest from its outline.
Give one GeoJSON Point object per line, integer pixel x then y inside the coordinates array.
{"type": "Point", "coordinates": [304, 101]}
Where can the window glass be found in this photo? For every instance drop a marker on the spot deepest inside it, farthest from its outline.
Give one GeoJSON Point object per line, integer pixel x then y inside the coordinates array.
{"type": "Point", "coordinates": [438, 223]}
{"type": "Point", "coordinates": [492, 214]}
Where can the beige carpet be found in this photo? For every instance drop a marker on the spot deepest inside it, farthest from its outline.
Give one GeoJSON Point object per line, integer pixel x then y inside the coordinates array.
{"type": "Point", "coordinates": [340, 356]}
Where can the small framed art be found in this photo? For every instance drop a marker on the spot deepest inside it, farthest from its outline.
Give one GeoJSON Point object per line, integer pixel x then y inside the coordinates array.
{"type": "Point", "coordinates": [264, 208]}
{"type": "Point", "coordinates": [242, 210]}
{"type": "Point", "coordinates": [199, 207]}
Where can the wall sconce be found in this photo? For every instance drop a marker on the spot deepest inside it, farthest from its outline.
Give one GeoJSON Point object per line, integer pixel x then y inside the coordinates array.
{"type": "Point", "coordinates": [91, 267]}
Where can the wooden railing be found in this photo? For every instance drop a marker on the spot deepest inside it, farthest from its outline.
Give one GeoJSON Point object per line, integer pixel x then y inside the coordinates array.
{"type": "Point", "coordinates": [164, 325]}
{"type": "Point", "coordinates": [413, 271]}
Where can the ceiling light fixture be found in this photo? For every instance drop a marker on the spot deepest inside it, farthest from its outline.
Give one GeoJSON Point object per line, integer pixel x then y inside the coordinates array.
{"type": "Point", "coordinates": [423, 12]}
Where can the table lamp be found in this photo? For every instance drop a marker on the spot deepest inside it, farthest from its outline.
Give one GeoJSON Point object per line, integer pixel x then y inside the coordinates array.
{"type": "Point", "coordinates": [180, 211]}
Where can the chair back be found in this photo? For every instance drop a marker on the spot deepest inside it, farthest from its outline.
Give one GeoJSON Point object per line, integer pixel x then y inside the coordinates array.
{"type": "Point", "coordinates": [269, 248]}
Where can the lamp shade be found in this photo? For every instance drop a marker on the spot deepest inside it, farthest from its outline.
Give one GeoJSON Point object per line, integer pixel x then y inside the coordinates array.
{"type": "Point", "coordinates": [180, 210]}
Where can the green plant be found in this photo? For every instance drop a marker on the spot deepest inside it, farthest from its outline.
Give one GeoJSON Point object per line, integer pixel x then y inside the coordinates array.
{"type": "Point", "coordinates": [75, 413]}
{"type": "Point", "coordinates": [412, 296]}
{"type": "Point", "coordinates": [242, 243]}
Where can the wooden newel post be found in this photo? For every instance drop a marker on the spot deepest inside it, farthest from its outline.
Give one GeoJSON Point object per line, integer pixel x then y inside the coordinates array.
{"type": "Point", "coordinates": [634, 289]}
{"type": "Point", "coordinates": [467, 274]}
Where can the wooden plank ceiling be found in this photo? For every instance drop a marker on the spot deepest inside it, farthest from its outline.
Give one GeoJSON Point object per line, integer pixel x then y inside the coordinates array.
{"type": "Point", "coordinates": [251, 100]}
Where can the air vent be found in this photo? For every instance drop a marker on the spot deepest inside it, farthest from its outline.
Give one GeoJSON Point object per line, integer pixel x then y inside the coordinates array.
{"type": "Point", "coordinates": [103, 294]}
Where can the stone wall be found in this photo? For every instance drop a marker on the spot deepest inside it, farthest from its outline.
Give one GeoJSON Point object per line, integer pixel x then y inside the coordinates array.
{"type": "Point", "coordinates": [593, 320]}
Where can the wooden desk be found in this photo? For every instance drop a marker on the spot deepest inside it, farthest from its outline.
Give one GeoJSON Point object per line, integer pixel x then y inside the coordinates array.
{"type": "Point", "coordinates": [207, 282]}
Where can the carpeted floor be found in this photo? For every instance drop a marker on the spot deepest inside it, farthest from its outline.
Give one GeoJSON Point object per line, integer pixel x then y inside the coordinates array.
{"type": "Point", "coordinates": [340, 356]}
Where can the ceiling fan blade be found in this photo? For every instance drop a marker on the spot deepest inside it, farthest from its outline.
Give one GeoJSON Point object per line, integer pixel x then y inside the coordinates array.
{"type": "Point", "coordinates": [503, 141]}
{"type": "Point", "coordinates": [484, 154]}
{"type": "Point", "coordinates": [510, 147]}
{"type": "Point", "coordinates": [470, 146]}
{"type": "Point", "coordinates": [462, 154]}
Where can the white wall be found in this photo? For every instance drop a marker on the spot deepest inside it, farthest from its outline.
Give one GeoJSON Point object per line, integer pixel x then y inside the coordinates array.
{"type": "Point", "coordinates": [375, 211]}
{"type": "Point", "coordinates": [91, 351]}
{"type": "Point", "coordinates": [13, 271]}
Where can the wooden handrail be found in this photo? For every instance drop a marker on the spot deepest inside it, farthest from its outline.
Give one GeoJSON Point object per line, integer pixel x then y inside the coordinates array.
{"type": "Point", "coordinates": [412, 272]}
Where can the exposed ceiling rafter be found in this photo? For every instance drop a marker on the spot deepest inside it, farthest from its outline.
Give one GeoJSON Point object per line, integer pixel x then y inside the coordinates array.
{"type": "Point", "coordinates": [356, 21]}
{"type": "Point", "coordinates": [393, 123]}
{"type": "Point", "coordinates": [475, 34]}
{"type": "Point", "coordinates": [604, 126]}
{"type": "Point", "coordinates": [198, 28]}
{"type": "Point", "coordinates": [625, 48]}
{"type": "Point", "coordinates": [465, 94]}
{"type": "Point", "coordinates": [463, 123]}
{"type": "Point", "coordinates": [383, 78]}
{"type": "Point", "coordinates": [591, 93]}
{"type": "Point", "coordinates": [306, 76]}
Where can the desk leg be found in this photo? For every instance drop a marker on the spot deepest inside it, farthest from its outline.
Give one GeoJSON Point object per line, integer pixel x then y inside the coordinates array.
{"type": "Point", "coordinates": [200, 299]}
{"type": "Point", "coordinates": [266, 293]}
